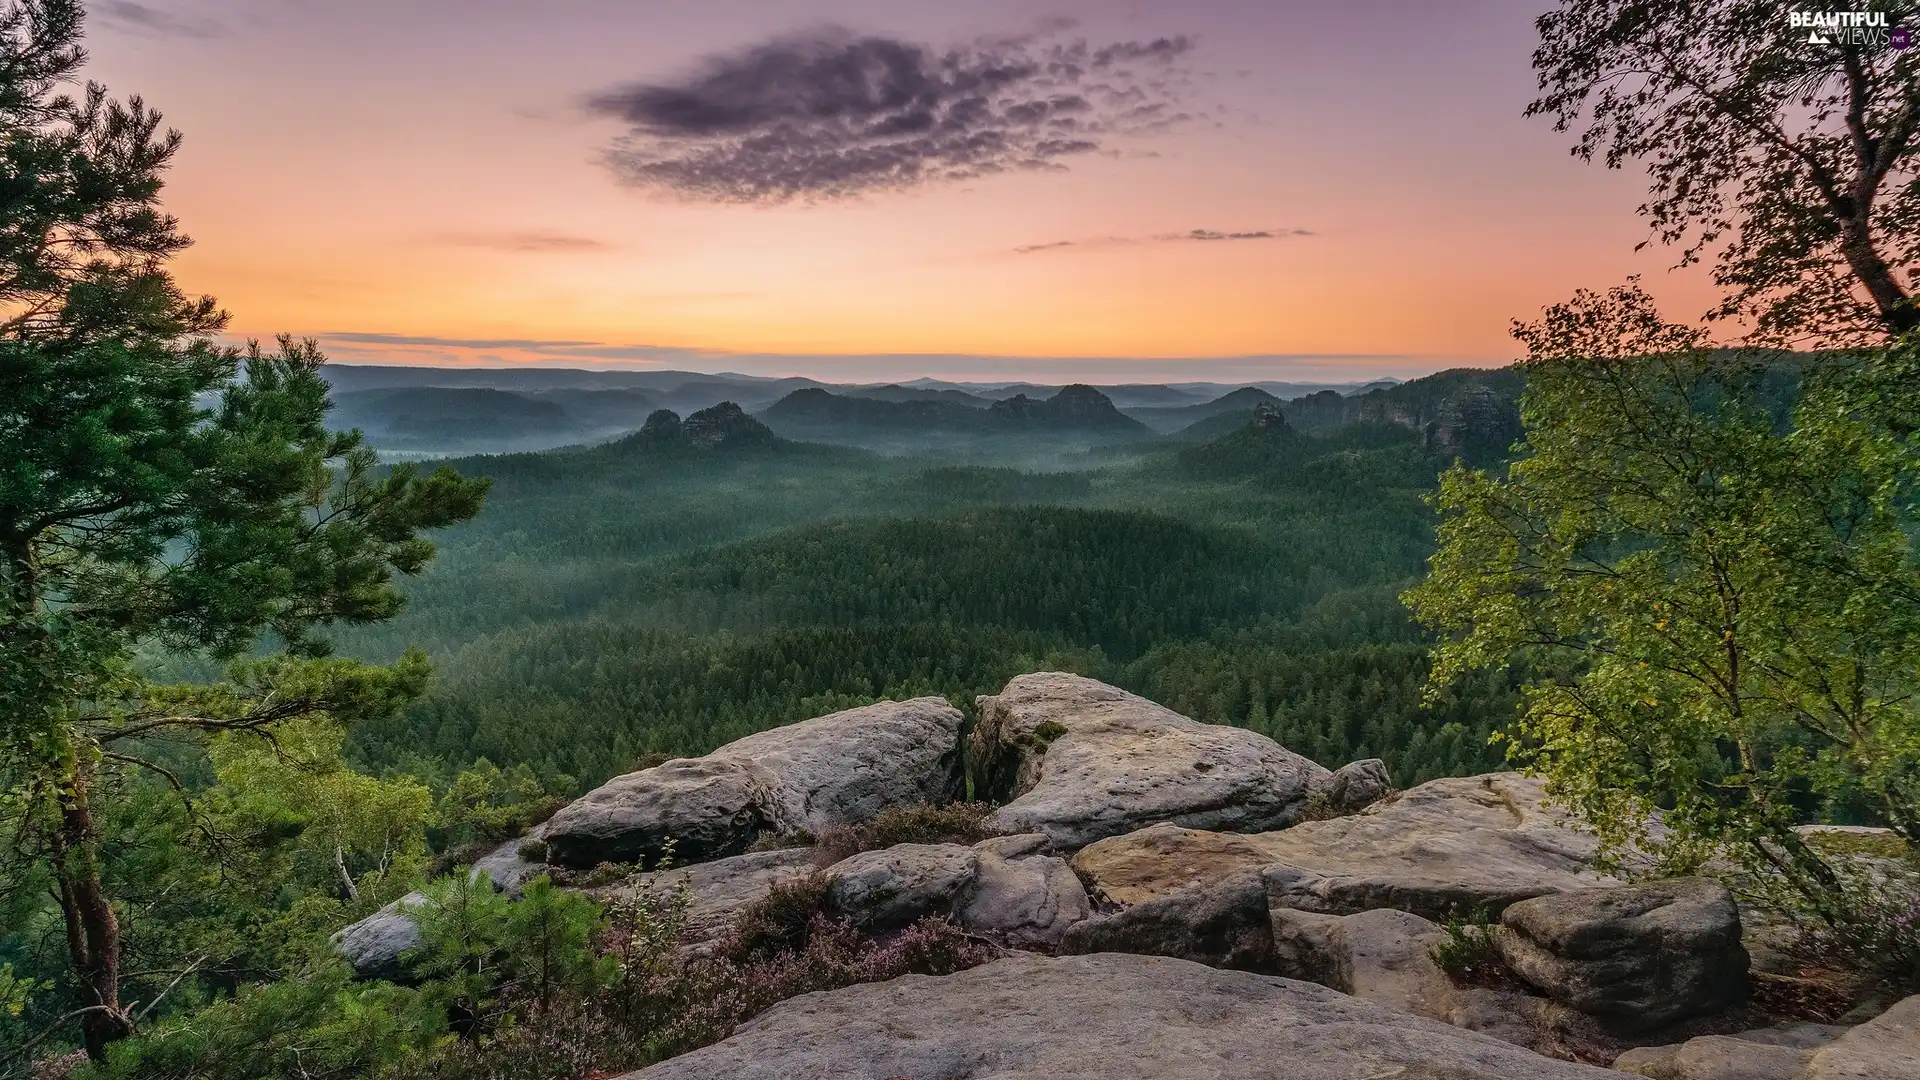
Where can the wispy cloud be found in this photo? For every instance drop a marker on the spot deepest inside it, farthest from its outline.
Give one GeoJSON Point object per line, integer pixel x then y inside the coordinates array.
{"type": "Point", "coordinates": [1101, 243]}
{"type": "Point", "coordinates": [139, 18]}
{"type": "Point", "coordinates": [359, 338]}
{"type": "Point", "coordinates": [829, 114]}
{"type": "Point", "coordinates": [530, 242]}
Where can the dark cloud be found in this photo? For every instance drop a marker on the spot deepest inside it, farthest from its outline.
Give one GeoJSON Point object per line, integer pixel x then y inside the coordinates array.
{"type": "Point", "coordinates": [127, 15]}
{"type": "Point", "coordinates": [1163, 238]}
{"type": "Point", "coordinates": [530, 242]}
{"type": "Point", "coordinates": [829, 114]}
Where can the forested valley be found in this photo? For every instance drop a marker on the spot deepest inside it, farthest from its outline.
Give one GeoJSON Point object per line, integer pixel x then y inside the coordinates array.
{"type": "Point", "coordinates": [623, 601]}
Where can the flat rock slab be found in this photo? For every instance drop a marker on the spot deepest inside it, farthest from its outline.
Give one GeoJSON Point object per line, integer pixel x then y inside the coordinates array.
{"type": "Point", "coordinates": [1080, 760]}
{"type": "Point", "coordinates": [1450, 846]}
{"type": "Point", "coordinates": [1102, 1017]}
{"type": "Point", "coordinates": [1715, 1057]}
{"type": "Point", "coordinates": [1884, 1048]}
{"type": "Point", "coordinates": [717, 890]}
{"type": "Point", "coordinates": [840, 769]}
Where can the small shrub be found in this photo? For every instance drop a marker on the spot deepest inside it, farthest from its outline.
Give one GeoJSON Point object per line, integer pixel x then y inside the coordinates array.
{"type": "Point", "coordinates": [780, 922]}
{"type": "Point", "coordinates": [603, 874]}
{"type": "Point", "coordinates": [1467, 953]}
{"type": "Point", "coordinates": [532, 849]}
{"type": "Point", "coordinates": [1319, 807]}
{"type": "Point", "coordinates": [781, 841]}
{"type": "Point", "coordinates": [1046, 731]}
{"type": "Point", "coordinates": [955, 823]}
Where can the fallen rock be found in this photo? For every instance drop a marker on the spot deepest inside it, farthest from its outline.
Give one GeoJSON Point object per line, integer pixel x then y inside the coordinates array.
{"type": "Point", "coordinates": [1029, 1017]}
{"type": "Point", "coordinates": [1024, 900]}
{"type": "Point", "coordinates": [840, 769]}
{"type": "Point", "coordinates": [717, 890]}
{"type": "Point", "coordinates": [1358, 785]}
{"type": "Point", "coordinates": [1221, 924]}
{"type": "Point", "coordinates": [1080, 760]}
{"type": "Point", "coordinates": [880, 890]}
{"type": "Point", "coordinates": [376, 946]}
{"type": "Point", "coordinates": [1456, 845]}
{"type": "Point", "coordinates": [1884, 1048]}
{"type": "Point", "coordinates": [1637, 955]}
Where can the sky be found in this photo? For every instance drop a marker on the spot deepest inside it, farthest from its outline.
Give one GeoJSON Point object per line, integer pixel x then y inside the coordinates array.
{"type": "Point", "coordinates": [1135, 190]}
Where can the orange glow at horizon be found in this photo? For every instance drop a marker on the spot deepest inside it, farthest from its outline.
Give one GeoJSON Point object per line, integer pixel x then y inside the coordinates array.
{"type": "Point", "coordinates": [436, 180]}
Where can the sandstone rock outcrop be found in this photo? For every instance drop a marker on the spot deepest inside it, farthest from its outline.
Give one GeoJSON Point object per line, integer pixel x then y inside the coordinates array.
{"type": "Point", "coordinates": [1455, 845]}
{"type": "Point", "coordinates": [1383, 956]}
{"type": "Point", "coordinates": [1107, 1016]}
{"type": "Point", "coordinates": [840, 769]}
{"type": "Point", "coordinates": [1080, 760]}
{"type": "Point", "coordinates": [1641, 955]}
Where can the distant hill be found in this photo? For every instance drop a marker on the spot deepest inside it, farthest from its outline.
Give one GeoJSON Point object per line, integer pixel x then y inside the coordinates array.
{"type": "Point", "coordinates": [1472, 413]}
{"type": "Point", "coordinates": [1239, 403]}
{"type": "Point", "coordinates": [1075, 407]}
{"type": "Point", "coordinates": [896, 392]}
{"type": "Point", "coordinates": [1073, 419]}
{"type": "Point", "coordinates": [1256, 442]}
{"type": "Point", "coordinates": [723, 427]}
{"type": "Point", "coordinates": [429, 418]}
{"type": "Point", "coordinates": [818, 412]}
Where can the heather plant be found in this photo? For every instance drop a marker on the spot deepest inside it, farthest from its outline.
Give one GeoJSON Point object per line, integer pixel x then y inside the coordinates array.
{"type": "Point", "coordinates": [955, 823]}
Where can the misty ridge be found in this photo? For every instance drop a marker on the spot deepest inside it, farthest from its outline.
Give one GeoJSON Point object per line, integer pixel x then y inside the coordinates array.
{"type": "Point", "coordinates": [424, 412]}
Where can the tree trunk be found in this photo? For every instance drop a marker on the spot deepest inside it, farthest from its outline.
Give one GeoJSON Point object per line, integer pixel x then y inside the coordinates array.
{"type": "Point", "coordinates": [93, 931]}
{"type": "Point", "coordinates": [1889, 299]}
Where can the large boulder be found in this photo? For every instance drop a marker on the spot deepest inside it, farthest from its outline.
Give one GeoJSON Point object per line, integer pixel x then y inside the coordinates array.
{"type": "Point", "coordinates": [376, 947]}
{"type": "Point", "coordinates": [1221, 924]}
{"type": "Point", "coordinates": [1000, 888]}
{"type": "Point", "coordinates": [1109, 1017]}
{"type": "Point", "coordinates": [891, 887]}
{"type": "Point", "coordinates": [840, 769]}
{"type": "Point", "coordinates": [1080, 760]}
{"type": "Point", "coordinates": [1450, 846]}
{"type": "Point", "coordinates": [1637, 955]}
{"type": "Point", "coordinates": [1884, 1048]}
{"type": "Point", "coordinates": [1022, 898]}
